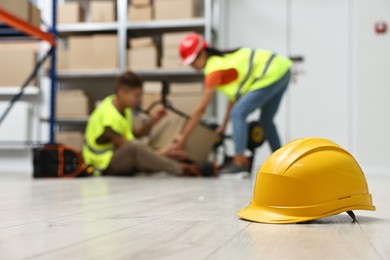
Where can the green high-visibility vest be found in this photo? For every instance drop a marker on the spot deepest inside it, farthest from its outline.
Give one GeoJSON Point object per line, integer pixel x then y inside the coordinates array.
{"type": "Point", "coordinates": [256, 69]}
{"type": "Point", "coordinates": [106, 114]}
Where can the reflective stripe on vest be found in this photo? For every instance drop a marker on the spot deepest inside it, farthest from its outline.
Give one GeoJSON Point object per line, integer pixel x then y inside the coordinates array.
{"type": "Point", "coordinates": [95, 151]}
{"type": "Point", "coordinates": [249, 73]}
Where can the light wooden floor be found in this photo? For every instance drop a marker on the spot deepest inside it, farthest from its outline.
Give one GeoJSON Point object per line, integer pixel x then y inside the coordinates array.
{"type": "Point", "coordinates": [172, 218]}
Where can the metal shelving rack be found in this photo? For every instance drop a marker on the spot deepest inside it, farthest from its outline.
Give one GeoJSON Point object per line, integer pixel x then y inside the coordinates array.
{"type": "Point", "coordinates": [123, 28]}
{"type": "Point", "coordinates": [14, 27]}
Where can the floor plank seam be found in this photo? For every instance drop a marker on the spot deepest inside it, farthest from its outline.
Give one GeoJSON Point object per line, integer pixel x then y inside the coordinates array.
{"type": "Point", "coordinates": [100, 236]}
{"type": "Point", "coordinates": [368, 238]}
{"type": "Point", "coordinates": [78, 213]}
{"type": "Point", "coordinates": [225, 243]}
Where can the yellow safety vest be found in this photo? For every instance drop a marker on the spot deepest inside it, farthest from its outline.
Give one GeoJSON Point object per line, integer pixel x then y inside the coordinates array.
{"type": "Point", "coordinates": [106, 114]}
{"type": "Point", "coordinates": [256, 69]}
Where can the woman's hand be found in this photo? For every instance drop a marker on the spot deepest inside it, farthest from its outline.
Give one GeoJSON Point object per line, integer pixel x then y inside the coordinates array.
{"type": "Point", "coordinates": [172, 152]}
{"type": "Point", "coordinates": [179, 142]}
{"type": "Point", "coordinates": [220, 130]}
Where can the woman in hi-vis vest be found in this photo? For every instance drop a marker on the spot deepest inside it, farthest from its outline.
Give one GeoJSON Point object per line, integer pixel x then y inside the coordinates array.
{"type": "Point", "coordinates": [250, 78]}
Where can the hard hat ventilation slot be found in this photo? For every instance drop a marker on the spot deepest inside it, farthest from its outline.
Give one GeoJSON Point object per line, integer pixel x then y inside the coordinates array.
{"type": "Point", "coordinates": [343, 198]}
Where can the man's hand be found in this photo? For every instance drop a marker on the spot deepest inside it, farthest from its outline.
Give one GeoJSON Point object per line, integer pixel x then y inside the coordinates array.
{"type": "Point", "coordinates": [157, 115]}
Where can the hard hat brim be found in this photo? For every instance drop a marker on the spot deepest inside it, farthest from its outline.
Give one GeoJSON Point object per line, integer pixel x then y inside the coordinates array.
{"type": "Point", "coordinates": [262, 214]}
{"type": "Point", "coordinates": [190, 59]}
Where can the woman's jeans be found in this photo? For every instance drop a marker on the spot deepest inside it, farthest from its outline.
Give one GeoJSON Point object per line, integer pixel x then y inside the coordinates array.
{"type": "Point", "coordinates": [268, 100]}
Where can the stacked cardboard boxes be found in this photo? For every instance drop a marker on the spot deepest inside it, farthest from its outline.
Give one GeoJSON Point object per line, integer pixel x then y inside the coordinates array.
{"type": "Point", "coordinates": [97, 52]}
{"type": "Point", "coordinates": [170, 50]}
{"type": "Point", "coordinates": [70, 12]}
{"type": "Point", "coordinates": [17, 8]}
{"type": "Point", "coordinates": [78, 53]}
{"type": "Point", "coordinates": [17, 61]}
{"type": "Point", "coordinates": [102, 11]}
{"type": "Point", "coordinates": [73, 139]}
{"type": "Point", "coordinates": [72, 103]}
{"type": "Point", "coordinates": [23, 10]}
{"type": "Point", "coordinates": [151, 94]}
{"type": "Point", "coordinates": [184, 97]}
{"type": "Point", "coordinates": [175, 9]}
{"type": "Point", "coordinates": [142, 54]}
{"type": "Point", "coordinates": [168, 128]}
{"type": "Point", "coordinates": [105, 52]}
{"type": "Point", "coordinates": [35, 16]}
{"type": "Point", "coordinates": [140, 10]}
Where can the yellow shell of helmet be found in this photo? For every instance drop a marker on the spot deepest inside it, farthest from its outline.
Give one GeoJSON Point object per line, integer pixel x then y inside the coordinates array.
{"type": "Point", "coordinates": [306, 179]}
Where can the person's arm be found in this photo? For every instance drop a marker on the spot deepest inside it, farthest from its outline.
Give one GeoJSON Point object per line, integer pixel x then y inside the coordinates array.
{"type": "Point", "coordinates": [172, 152]}
{"type": "Point", "coordinates": [195, 117]}
{"type": "Point", "coordinates": [154, 118]}
{"type": "Point", "coordinates": [110, 135]}
{"type": "Point", "coordinates": [225, 121]}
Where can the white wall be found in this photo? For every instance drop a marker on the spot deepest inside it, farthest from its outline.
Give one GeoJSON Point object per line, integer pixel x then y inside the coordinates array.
{"type": "Point", "coordinates": [372, 105]}
{"type": "Point", "coordinates": [342, 89]}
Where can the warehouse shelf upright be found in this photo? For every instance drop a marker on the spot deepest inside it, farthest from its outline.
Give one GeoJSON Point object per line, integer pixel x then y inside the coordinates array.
{"type": "Point", "coordinates": [14, 27]}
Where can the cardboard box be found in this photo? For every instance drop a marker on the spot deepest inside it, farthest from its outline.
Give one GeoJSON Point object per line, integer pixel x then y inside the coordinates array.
{"type": "Point", "coordinates": [80, 52]}
{"type": "Point", "coordinates": [141, 42]}
{"type": "Point", "coordinates": [198, 145]}
{"type": "Point", "coordinates": [171, 52]}
{"type": "Point", "coordinates": [62, 56]}
{"type": "Point", "coordinates": [72, 104]}
{"type": "Point", "coordinates": [19, 8]}
{"type": "Point", "coordinates": [151, 94]}
{"type": "Point", "coordinates": [140, 2]}
{"type": "Point", "coordinates": [102, 11]}
{"type": "Point", "coordinates": [185, 103]}
{"type": "Point", "coordinates": [73, 139]}
{"type": "Point", "coordinates": [70, 12]}
{"type": "Point", "coordinates": [171, 42]}
{"type": "Point", "coordinates": [152, 87]}
{"type": "Point", "coordinates": [174, 9]}
{"type": "Point", "coordinates": [140, 13]}
{"type": "Point", "coordinates": [148, 99]}
{"type": "Point", "coordinates": [16, 64]}
{"type": "Point", "coordinates": [171, 63]}
{"type": "Point", "coordinates": [92, 52]}
{"type": "Point", "coordinates": [104, 52]}
{"type": "Point", "coordinates": [186, 88]}
{"type": "Point", "coordinates": [142, 58]}
{"type": "Point", "coordinates": [173, 39]}
{"type": "Point", "coordinates": [166, 130]}
{"type": "Point", "coordinates": [35, 16]}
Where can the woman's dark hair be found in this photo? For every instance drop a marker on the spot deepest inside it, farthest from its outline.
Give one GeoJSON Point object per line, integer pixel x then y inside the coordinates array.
{"type": "Point", "coordinates": [129, 80]}
{"type": "Point", "coordinates": [216, 52]}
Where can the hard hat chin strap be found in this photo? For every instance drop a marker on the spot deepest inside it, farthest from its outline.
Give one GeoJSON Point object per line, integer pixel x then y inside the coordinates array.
{"type": "Point", "coordinates": [352, 215]}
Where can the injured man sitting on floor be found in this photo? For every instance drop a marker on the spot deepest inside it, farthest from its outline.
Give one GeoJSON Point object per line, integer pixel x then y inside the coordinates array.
{"type": "Point", "coordinates": [111, 147]}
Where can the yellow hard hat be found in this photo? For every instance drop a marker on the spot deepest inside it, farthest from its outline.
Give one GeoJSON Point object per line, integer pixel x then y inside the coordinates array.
{"type": "Point", "coordinates": [308, 178]}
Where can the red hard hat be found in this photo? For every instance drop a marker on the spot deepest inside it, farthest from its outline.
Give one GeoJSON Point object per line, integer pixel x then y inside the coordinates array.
{"type": "Point", "coordinates": [190, 47]}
